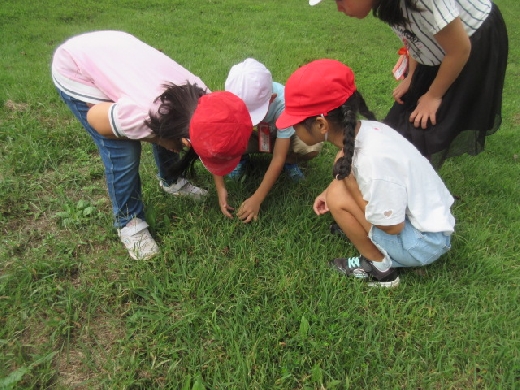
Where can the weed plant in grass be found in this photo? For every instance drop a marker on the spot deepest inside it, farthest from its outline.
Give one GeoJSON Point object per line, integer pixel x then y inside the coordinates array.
{"type": "Point", "coordinates": [228, 305]}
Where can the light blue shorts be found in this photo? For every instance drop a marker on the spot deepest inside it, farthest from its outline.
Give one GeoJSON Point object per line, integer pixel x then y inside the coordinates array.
{"type": "Point", "coordinates": [411, 248]}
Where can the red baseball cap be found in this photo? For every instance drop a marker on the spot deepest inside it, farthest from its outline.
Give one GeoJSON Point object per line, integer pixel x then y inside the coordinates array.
{"type": "Point", "coordinates": [219, 131]}
{"type": "Point", "coordinates": [314, 89]}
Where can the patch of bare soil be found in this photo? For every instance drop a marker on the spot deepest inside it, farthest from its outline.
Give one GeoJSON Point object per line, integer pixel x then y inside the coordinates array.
{"type": "Point", "coordinates": [15, 107]}
{"type": "Point", "coordinates": [79, 364]}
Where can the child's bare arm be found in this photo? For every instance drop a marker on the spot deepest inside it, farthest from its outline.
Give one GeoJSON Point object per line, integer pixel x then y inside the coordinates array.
{"type": "Point", "coordinates": [250, 208]}
{"type": "Point", "coordinates": [97, 117]}
{"type": "Point", "coordinates": [456, 44]}
{"type": "Point", "coordinates": [222, 196]}
{"type": "Point", "coordinates": [353, 189]}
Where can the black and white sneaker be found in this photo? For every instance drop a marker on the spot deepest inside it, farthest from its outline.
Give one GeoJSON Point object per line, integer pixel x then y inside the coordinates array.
{"type": "Point", "coordinates": [360, 267]}
{"type": "Point", "coordinates": [336, 230]}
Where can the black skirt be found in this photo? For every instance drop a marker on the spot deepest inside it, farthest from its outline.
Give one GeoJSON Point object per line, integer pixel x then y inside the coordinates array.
{"type": "Point", "coordinates": [471, 109]}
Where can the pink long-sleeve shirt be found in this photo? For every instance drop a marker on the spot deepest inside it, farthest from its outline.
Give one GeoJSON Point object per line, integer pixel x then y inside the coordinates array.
{"type": "Point", "coordinates": [114, 66]}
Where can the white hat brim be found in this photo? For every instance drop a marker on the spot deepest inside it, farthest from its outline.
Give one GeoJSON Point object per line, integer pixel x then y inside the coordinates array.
{"type": "Point", "coordinates": [259, 113]}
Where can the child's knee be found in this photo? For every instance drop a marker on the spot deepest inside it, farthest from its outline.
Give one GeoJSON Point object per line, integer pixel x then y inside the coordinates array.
{"type": "Point", "coordinates": [337, 196]}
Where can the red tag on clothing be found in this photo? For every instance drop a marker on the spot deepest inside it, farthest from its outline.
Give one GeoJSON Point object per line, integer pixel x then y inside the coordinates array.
{"type": "Point", "coordinates": [401, 67]}
{"type": "Point", "coordinates": [264, 137]}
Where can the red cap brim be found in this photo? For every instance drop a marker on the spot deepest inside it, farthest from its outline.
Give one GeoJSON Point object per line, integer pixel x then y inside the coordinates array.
{"type": "Point", "coordinates": [220, 167]}
{"type": "Point", "coordinates": [285, 120]}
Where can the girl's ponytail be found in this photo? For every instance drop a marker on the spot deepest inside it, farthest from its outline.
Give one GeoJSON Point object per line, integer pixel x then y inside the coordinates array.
{"type": "Point", "coordinates": [342, 167]}
{"type": "Point", "coordinates": [363, 108]}
{"type": "Point", "coordinates": [346, 117]}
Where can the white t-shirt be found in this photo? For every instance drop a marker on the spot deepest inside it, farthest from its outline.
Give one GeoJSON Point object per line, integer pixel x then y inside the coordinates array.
{"type": "Point", "coordinates": [113, 66]}
{"type": "Point", "coordinates": [418, 34]}
{"type": "Point", "coordinates": [398, 182]}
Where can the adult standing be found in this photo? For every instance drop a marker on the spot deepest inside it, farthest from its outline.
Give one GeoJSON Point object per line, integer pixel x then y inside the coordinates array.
{"type": "Point", "coordinates": [451, 97]}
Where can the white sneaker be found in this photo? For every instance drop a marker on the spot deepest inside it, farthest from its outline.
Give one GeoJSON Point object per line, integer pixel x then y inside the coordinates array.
{"type": "Point", "coordinates": [138, 241]}
{"type": "Point", "coordinates": [184, 188]}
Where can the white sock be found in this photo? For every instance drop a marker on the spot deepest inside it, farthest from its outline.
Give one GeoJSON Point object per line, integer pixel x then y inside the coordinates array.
{"type": "Point", "coordinates": [383, 265]}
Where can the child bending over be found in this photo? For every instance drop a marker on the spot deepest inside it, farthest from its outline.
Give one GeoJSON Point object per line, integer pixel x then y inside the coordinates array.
{"type": "Point", "coordinates": [252, 82]}
{"type": "Point", "coordinates": [125, 92]}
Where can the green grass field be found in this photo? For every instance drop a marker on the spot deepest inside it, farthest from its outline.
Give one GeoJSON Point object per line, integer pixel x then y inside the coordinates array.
{"type": "Point", "coordinates": [228, 305]}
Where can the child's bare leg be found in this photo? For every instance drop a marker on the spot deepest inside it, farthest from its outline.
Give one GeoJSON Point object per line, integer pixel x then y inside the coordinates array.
{"type": "Point", "coordinates": [351, 219]}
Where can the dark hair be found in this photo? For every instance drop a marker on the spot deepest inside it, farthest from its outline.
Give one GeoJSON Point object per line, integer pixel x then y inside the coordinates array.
{"type": "Point", "coordinates": [172, 120]}
{"type": "Point", "coordinates": [345, 117]}
{"type": "Point", "coordinates": [390, 12]}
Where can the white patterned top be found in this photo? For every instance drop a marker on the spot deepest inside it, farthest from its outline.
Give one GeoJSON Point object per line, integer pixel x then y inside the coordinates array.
{"type": "Point", "coordinates": [419, 34]}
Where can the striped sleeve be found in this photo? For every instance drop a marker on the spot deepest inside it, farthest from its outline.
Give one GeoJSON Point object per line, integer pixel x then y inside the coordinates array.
{"type": "Point", "coordinates": [473, 13]}
{"type": "Point", "coordinates": [127, 120]}
{"type": "Point", "coordinates": [439, 13]}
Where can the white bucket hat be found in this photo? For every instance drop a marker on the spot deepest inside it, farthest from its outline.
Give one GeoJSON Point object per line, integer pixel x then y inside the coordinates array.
{"type": "Point", "coordinates": [252, 82]}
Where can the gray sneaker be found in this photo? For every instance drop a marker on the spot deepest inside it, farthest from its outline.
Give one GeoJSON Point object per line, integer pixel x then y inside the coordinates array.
{"type": "Point", "coordinates": [362, 268]}
{"type": "Point", "coordinates": [336, 230]}
{"type": "Point", "coordinates": [184, 188]}
{"type": "Point", "coordinates": [137, 240]}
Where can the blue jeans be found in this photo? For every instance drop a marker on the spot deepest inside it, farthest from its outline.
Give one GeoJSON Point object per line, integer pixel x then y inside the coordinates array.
{"type": "Point", "coordinates": [121, 159]}
{"type": "Point", "coordinates": [411, 248]}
